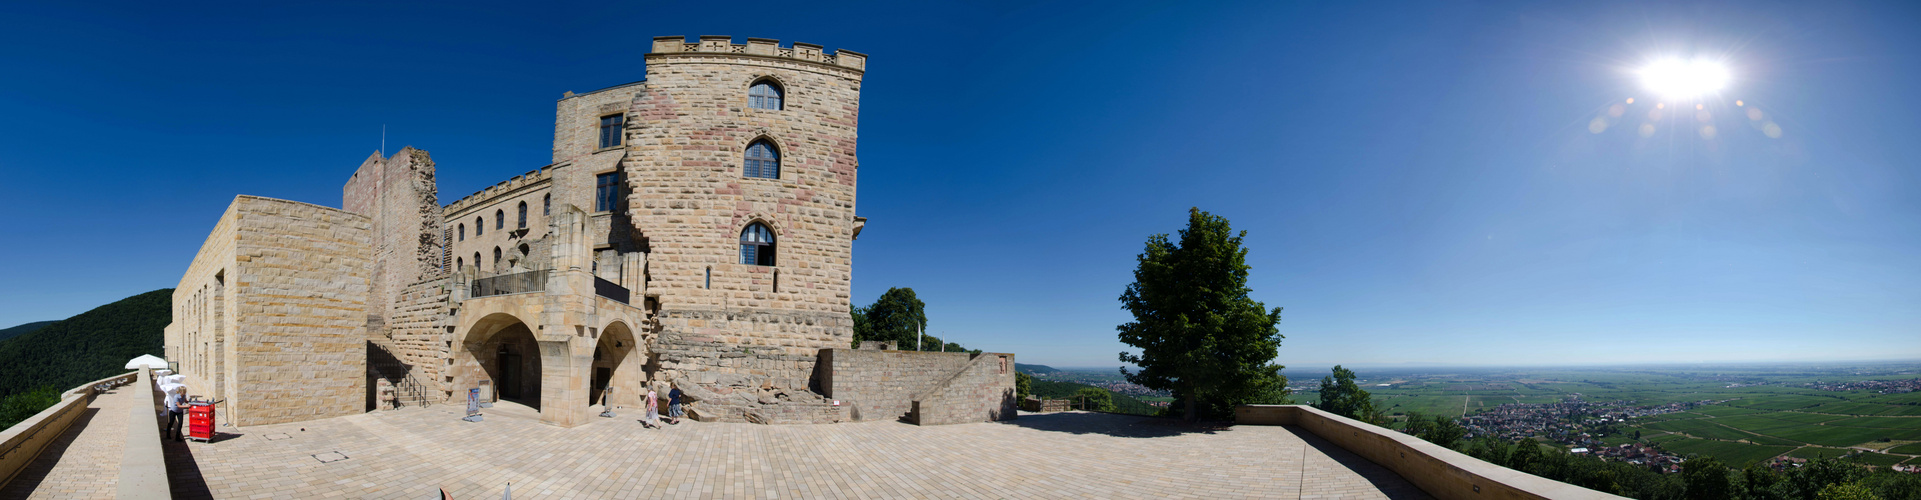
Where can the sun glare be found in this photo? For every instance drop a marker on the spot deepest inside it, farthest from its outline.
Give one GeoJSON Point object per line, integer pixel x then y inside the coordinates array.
{"type": "Point", "coordinates": [1677, 79]}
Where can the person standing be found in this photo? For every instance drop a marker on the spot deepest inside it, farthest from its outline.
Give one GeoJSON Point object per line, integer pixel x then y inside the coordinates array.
{"type": "Point", "coordinates": [176, 411]}
{"type": "Point", "coordinates": [651, 419]}
{"type": "Point", "coordinates": [674, 412]}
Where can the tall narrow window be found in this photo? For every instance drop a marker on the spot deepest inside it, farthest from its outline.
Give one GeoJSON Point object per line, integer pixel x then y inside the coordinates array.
{"type": "Point", "coordinates": [547, 205]}
{"type": "Point", "coordinates": [500, 219]}
{"type": "Point", "coordinates": [480, 226]}
{"type": "Point", "coordinates": [606, 191]}
{"type": "Point", "coordinates": [757, 245]}
{"type": "Point", "coordinates": [523, 215]}
{"type": "Point", "coordinates": [459, 262]}
{"type": "Point", "coordinates": [496, 259]}
{"type": "Point", "coordinates": [463, 232]}
{"type": "Point", "coordinates": [710, 278]}
{"type": "Point", "coordinates": [477, 261]}
{"type": "Point", "coordinates": [762, 161]}
{"type": "Point", "coordinates": [610, 126]}
{"type": "Point", "coordinates": [765, 94]}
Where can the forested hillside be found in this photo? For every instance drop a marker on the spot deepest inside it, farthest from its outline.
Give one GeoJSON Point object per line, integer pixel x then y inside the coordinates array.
{"type": "Point", "coordinates": [23, 329]}
{"type": "Point", "coordinates": [92, 345]}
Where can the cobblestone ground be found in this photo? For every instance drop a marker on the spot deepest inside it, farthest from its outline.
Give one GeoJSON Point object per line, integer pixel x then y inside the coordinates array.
{"type": "Point", "coordinates": [410, 453]}
{"type": "Point", "coordinates": [84, 462]}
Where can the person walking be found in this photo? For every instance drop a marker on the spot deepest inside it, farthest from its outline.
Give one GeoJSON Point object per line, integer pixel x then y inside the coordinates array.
{"type": "Point", "coordinates": [176, 411]}
{"type": "Point", "coordinates": [651, 419]}
{"type": "Point", "coordinates": [674, 412]}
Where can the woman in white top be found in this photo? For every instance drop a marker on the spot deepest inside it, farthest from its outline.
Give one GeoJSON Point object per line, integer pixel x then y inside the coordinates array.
{"type": "Point", "coordinates": [652, 418]}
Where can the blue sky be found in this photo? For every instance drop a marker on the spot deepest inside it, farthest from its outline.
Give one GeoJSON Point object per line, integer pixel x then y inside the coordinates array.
{"type": "Point", "coordinates": [1419, 182]}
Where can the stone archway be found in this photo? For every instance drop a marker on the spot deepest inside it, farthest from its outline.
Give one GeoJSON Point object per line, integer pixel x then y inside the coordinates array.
{"type": "Point", "coordinates": [500, 353]}
{"type": "Point", "coordinates": [618, 363]}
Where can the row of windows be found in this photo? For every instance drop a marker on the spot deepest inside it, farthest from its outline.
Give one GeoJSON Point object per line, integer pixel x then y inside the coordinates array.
{"type": "Point", "coordinates": [500, 218]}
{"type": "Point", "coordinates": [763, 94]}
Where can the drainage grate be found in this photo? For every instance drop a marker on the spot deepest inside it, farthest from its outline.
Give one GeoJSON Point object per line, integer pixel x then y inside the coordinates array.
{"type": "Point", "coordinates": [277, 437]}
{"type": "Point", "coordinates": [329, 457]}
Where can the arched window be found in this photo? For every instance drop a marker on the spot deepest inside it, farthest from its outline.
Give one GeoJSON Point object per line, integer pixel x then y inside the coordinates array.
{"type": "Point", "coordinates": [480, 226]}
{"type": "Point", "coordinates": [762, 161]}
{"type": "Point", "coordinates": [477, 261]}
{"type": "Point", "coordinates": [523, 215]}
{"type": "Point", "coordinates": [547, 205]}
{"type": "Point", "coordinates": [764, 94]}
{"type": "Point", "coordinates": [500, 219]}
{"type": "Point", "coordinates": [463, 232]}
{"type": "Point", "coordinates": [496, 258]}
{"type": "Point", "coordinates": [757, 245]}
{"type": "Point", "coordinates": [459, 262]}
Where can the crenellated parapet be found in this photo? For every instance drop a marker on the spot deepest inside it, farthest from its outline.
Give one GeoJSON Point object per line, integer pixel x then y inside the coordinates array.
{"type": "Point", "coordinates": [507, 187]}
{"type": "Point", "coordinates": [759, 47]}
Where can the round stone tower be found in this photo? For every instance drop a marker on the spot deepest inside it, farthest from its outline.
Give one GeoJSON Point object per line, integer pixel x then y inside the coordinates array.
{"type": "Point", "coordinates": [740, 169]}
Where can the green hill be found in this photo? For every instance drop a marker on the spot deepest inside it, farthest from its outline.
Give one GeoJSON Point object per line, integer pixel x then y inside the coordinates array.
{"type": "Point", "coordinates": [1050, 389]}
{"type": "Point", "coordinates": [90, 346]}
{"type": "Point", "coordinates": [23, 329]}
{"type": "Point", "coordinates": [1033, 369]}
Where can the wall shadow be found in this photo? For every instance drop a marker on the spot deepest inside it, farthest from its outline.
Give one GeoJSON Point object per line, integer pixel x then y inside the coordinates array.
{"type": "Point", "coordinates": [1113, 424]}
{"type": "Point", "coordinates": [183, 473]}
{"type": "Point", "coordinates": [30, 477]}
{"type": "Point", "coordinates": [1382, 478]}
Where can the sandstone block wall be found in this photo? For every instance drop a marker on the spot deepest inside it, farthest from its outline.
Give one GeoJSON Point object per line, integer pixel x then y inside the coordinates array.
{"type": "Point", "coordinates": [983, 391]}
{"type": "Point", "coordinates": [399, 197]}
{"type": "Point", "coordinates": [688, 128]}
{"type": "Point", "coordinates": [882, 385]}
{"type": "Point", "coordinates": [198, 338]}
{"type": "Point", "coordinates": [301, 284]}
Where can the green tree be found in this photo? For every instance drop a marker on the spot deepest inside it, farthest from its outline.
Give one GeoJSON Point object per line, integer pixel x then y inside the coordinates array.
{"type": "Point", "coordinates": [1846, 491]}
{"type": "Point", "coordinates": [1341, 396]}
{"type": "Point", "coordinates": [896, 316]}
{"type": "Point", "coordinates": [1023, 385]}
{"type": "Point", "coordinates": [1094, 399]}
{"type": "Point", "coordinates": [1199, 333]}
{"type": "Point", "coordinates": [24, 405]}
{"type": "Point", "coordinates": [1706, 479]}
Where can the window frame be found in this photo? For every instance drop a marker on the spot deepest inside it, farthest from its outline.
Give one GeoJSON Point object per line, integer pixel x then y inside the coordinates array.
{"type": "Point", "coordinates": [608, 200]}
{"type": "Point", "coordinates": [523, 215]}
{"type": "Point", "coordinates": [500, 219]}
{"type": "Point", "coordinates": [752, 166]}
{"type": "Point", "coordinates": [763, 253]}
{"type": "Point", "coordinates": [611, 132]}
{"type": "Point", "coordinates": [759, 101]}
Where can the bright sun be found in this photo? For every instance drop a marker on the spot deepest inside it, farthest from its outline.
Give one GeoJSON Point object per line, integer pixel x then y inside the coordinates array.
{"type": "Point", "coordinates": [1677, 79]}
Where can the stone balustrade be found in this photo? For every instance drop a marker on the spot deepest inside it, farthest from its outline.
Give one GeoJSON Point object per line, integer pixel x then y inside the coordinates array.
{"type": "Point", "coordinates": [1441, 472]}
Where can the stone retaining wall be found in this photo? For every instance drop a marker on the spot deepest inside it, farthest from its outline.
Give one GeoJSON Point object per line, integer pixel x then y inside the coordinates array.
{"type": "Point", "coordinates": [983, 391]}
{"type": "Point", "coordinates": [881, 385]}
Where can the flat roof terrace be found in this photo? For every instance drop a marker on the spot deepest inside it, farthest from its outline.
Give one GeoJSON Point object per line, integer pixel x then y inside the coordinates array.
{"type": "Point", "coordinates": [412, 452]}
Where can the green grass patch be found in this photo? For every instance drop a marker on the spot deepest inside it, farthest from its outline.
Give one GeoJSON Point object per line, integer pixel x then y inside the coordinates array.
{"type": "Point", "coordinates": [1830, 435]}
{"type": "Point", "coordinates": [1728, 452]}
{"type": "Point", "coordinates": [1909, 449]}
{"type": "Point", "coordinates": [1881, 422]}
{"type": "Point", "coordinates": [1782, 402]}
{"type": "Point", "coordinates": [1662, 438]}
{"type": "Point", "coordinates": [1814, 452]}
{"type": "Point", "coordinates": [1880, 460]}
{"type": "Point", "coordinates": [1774, 441]}
{"type": "Point", "coordinates": [1865, 409]}
{"type": "Point", "coordinates": [1725, 411]}
{"type": "Point", "coordinates": [1910, 398]}
{"type": "Point", "coordinates": [1702, 428]}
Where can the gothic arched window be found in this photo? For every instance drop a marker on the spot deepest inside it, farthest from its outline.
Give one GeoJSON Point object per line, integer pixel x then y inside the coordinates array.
{"type": "Point", "coordinates": [463, 232]}
{"type": "Point", "coordinates": [762, 161]}
{"type": "Point", "coordinates": [764, 94]}
{"type": "Point", "coordinates": [480, 226]}
{"type": "Point", "coordinates": [547, 205]}
{"type": "Point", "coordinates": [500, 219]}
{"type": "Point", "coordinates": [757, 245]}
{"type": "Point", "coordinates": [523, 215]}
{"type": "Point", "coordinates": [496, 259]}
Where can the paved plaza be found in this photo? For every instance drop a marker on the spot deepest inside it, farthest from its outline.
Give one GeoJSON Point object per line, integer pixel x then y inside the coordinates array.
{"type": "Point", "coordinates": [412, 452]}
{"type": "Point", "coordinates": [84, 462]}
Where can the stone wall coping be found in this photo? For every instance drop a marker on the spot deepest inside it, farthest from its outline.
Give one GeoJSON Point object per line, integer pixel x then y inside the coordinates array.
{"type": "Point", "coordinates": [1441, 472]}
{"type": "Point", "coordinates": [512, 186]}
{"type": "Point", "coordinates": [571, 95]}
{"type": "Point", "coordinates": [758, 48]}
{"type": "Point", "coordinates": [143, 469]}
{"type": "Point", "coordinates": [237, 198]}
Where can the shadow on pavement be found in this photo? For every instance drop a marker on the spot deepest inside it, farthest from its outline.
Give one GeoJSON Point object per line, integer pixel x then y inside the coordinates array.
{"type": "Point", "coordinates": [35, 472]}
{"type": "Point", "coordinates": [1110, 424]}
{"type": "Point", "coordinates": [1384, 480]}
{"type": "Point", "coordinates": [183, 473]}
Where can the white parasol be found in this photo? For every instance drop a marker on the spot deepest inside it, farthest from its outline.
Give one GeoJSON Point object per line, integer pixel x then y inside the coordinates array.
{"type": "Point", "coordinates": [147, 360]}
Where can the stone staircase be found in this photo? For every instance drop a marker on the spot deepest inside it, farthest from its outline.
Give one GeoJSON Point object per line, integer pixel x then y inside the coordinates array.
{"type": "Point", "coordinates": [384, 369]}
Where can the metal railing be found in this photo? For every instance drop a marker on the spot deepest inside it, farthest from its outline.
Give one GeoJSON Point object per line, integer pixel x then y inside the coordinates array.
{"type": "Point", "coordinates": [610, 290]}
{"type": "Point", "coordinates": [530, 281]}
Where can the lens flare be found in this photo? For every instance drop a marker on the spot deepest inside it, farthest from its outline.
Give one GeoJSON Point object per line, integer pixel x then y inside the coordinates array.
{"type": "Point", "coordinates": [1680, 80]}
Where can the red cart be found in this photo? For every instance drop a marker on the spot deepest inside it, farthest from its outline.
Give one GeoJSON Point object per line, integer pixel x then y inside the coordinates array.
{"type": "Point", "coordinates": [200, 421]}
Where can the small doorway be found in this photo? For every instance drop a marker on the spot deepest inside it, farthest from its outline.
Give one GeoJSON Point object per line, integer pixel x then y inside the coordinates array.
{"type": "Point", "coordinates": [602, 375]}
{"type": "Point", "coordinates": [509, 363]}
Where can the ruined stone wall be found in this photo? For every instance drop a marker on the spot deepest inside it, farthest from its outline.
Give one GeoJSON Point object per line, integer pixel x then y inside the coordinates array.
{"type": "Point", "coordinates": [881, 385]}
{"type": "Point", "coordinates": [687, 132]}
{"type": "Point", "coordinates": [981, 392]}
{"type": "Point", "coordinates": [301, 284]}
{"type": "Point", "coordinates": [419, 332]}
{"type": "Point", "coordinates": [399, 196]}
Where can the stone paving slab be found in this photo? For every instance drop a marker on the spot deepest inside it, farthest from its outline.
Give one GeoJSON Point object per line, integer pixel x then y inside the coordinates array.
{"type": "Point", "coordinates": [411, 453]}
{"type": "Point", "coordinates": [84, 462]}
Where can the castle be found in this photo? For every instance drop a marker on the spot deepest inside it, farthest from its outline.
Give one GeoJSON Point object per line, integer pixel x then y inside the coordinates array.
{"type": "Point", "coordinates": [694, 229]}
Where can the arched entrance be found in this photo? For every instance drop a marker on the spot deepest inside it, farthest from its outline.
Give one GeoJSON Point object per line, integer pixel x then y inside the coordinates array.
{"type": "Point", "coordinates": [617, 367]}
{"type": "Point", "coordinates": [507, 358]}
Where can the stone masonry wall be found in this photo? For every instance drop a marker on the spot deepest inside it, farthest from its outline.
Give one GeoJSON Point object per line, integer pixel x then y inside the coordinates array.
{"type": "Point", "coordinates": [197, 339]}
{"type": "Point", "coordinates": [419, 333]}
{"type": "Point", "coordinates": [687, 132]}
{"type": "Point", "coordinates": [302, 288]}
{"type": "Point", "coordinates": [399, 196]}
{"type": "Point", "coordinates": [881, 385]}
{"type": "Point", "coordinates": [982, 392]}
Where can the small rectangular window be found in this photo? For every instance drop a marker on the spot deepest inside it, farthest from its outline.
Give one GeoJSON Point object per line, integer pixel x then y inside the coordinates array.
{"type": "Point", "coordinates": [606, 191]}
{"type": "Point", "coordinates": [610, 127]}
